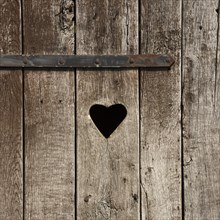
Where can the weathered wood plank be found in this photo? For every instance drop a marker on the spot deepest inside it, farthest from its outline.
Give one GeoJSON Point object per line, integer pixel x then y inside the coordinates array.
{"type": "Point", "coordinates": [11, 175]}
{"type": "Point", "coordinates": [108, 169]}
{"type": "Point", "coordinates": [201, 109]}
{"type": "Point", "coordinates": [49, 113]}
{"type": "Point", "coordinates": [160, 113]}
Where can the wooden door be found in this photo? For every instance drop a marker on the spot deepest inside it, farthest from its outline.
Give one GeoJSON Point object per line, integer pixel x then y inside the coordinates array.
{"type": "Point", "coordinates": [162, 161]}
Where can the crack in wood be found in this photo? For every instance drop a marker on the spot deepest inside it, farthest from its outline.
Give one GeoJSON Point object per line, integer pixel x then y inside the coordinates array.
{"type": "Point", "coordinates": [217, 53]}
{"type": "Point", "coordinates": [147, 201]}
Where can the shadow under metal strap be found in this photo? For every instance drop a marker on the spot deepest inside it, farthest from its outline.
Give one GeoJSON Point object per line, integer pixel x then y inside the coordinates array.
{"type": "Point", "coordinates": [86, 61]}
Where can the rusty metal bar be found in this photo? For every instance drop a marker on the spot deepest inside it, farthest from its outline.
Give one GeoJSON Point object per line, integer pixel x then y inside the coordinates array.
{"type": "Point", "coordinates": [86, 61]}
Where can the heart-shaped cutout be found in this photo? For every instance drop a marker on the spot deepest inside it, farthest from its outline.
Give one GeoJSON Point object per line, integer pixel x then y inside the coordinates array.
{"type": "Point", "coordinates": [107, 119]}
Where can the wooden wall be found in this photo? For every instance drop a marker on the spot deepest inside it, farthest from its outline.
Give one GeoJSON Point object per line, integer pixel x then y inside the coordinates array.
{"type": "Point", "coordinates": [162, 162]}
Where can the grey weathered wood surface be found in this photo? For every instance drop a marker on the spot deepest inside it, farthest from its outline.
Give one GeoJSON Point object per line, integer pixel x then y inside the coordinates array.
{"type": "Point", "coordinates": [11, 184]}
{"type": "Point", "coordinates": [107, 169]}
{"type": "Point", "coordinates": [49, 114]}
{"type": "Point", "coordinates": [201, 115]}
{"type": "Point", "coordinates": [110, 172]}
{"type": "Point", "coordinates": [160, 113]}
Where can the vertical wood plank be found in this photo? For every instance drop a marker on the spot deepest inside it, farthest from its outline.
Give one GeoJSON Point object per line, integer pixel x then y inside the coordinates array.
{"type": "Point", "coordinates": [201, 109]}
{"type": "Point", "coordinates": [108, 169]}
{"type": "Point", "coordinates": [49, 113]}
{"type": "Point", "coordinates": [11, 174]}
{"type": "Point", "coordinates": [160, 113]}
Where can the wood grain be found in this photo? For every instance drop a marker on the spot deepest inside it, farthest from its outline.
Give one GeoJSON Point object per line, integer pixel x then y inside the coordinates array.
{"type": "Point", "coordinates": [201, 114]}
{"type": "Point", "coordinates": [49, 113]}
{"type": "Point", "coordinates": [11, 174]}
{"type": "Point", "coordinates": [108, 169]}
{"type": "Point", "coordinates": [160, 113]}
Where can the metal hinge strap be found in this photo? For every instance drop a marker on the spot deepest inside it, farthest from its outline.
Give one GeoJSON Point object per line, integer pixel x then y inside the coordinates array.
{"type": "Point", "coordinates": [86, 61]}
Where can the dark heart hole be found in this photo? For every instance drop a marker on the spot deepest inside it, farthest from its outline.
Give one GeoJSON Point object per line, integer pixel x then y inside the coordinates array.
{"type": "Point", "coordinates": [107, 119]}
